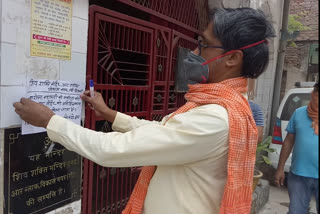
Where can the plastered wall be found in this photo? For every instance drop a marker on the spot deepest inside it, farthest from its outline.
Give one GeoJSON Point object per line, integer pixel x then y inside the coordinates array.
{"type": "Point", "coordinates": [17, 66]}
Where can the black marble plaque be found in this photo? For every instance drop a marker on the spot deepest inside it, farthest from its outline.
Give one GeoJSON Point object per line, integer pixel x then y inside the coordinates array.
{"type": "Point", "coordinates": [36, 181]}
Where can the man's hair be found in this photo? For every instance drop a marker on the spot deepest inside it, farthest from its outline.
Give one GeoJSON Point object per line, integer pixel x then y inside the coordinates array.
{"type": "Point", "coordinates": [316, 87]}
{"type": "Point", "coordinates": [236, 28]}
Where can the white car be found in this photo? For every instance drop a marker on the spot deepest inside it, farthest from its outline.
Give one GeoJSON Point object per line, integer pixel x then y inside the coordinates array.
{"type": "Point", "coordinates": [293, 99]}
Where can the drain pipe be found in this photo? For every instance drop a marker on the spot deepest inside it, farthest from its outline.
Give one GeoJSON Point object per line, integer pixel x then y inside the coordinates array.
{"type": "Point", "coordinates": [280, 63]}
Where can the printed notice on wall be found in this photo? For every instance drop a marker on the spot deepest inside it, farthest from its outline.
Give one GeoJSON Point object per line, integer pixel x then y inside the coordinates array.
{"type": "Point", "coordinates": [51, 22]}
{"type": "Point", "coordinates": [62, 97]}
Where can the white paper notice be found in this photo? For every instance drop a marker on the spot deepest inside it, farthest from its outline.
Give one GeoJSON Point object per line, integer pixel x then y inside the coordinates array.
{"type": "Point", "coordinates": [62, 97]}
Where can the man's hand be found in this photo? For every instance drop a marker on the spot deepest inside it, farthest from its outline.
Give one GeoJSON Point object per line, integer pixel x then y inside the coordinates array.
{"type": "Point", "coordinates": [284, 154]}
{"type": "Point", "coordinates": [99, 106]}
{"type": "Point", "coordinates": [33, 113]}
{"type": "Point", "coordinates": [279, 177]}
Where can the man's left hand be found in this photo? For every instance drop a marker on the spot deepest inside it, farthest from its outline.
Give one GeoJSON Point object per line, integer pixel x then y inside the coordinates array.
{"type": "Point", "coordinates": [33, 113]}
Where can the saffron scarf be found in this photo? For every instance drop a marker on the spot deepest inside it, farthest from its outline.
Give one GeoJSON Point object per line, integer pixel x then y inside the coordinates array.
{"type": "Point", "coordinates": [313, 112]}
{"type": "Point", "coordinates": [243, 138]}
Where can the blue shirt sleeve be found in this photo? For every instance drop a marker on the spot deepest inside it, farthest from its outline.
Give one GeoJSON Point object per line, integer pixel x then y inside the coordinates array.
{"type": "Point", "coordinates": [257, 114]}
{"type": "Point", "coordinates": [291, 128]}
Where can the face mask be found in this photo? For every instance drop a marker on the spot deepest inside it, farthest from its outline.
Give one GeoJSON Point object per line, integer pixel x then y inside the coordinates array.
{"type": "Point", "coordinates": [190, 70]}
{"type": "Point", "coordinates": [193, 69]}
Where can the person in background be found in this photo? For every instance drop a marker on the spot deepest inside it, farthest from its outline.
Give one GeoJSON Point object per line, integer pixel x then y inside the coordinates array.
{"type": "Point", "coordinates": [258, 119]}
{"type": "Point", "coordinates": [303, 138]}
{"type": "Point", "coordinates": [201, 158]}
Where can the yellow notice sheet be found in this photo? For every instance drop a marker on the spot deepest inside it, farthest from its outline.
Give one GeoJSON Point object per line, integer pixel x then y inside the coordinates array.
{"type": "Point", "coordinates": [51, 22]}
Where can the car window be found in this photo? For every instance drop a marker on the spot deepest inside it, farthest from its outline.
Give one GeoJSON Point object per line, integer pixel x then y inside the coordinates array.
{"type": "Point", "coordinates": [293, 102]}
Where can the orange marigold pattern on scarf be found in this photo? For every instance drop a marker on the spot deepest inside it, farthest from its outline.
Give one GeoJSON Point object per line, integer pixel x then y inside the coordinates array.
{"type": "Point", "coordinates": [243, 138]}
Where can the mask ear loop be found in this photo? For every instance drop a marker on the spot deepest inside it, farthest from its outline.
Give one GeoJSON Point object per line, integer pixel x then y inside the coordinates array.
{"type": "Point", "coordinates": [232, 51]}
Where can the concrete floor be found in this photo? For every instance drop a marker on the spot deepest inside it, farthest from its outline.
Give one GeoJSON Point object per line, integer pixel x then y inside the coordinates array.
{"type": "Point", "coordinates": [279, 201]}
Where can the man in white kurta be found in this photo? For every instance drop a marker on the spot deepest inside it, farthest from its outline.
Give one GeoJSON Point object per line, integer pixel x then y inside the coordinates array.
{"type": "Point", "coordinates": [190, 153]}
{"type": "Point", "coordinates": [191, 149]}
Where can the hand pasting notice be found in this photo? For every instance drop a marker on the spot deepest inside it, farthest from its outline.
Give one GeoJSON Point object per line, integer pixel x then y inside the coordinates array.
{"type": "Point", "coordinates": [62, 97]}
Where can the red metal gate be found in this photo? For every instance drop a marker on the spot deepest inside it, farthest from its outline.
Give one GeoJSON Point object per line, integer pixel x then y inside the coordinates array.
{"type": "Point", "coordinates": [132, 64]}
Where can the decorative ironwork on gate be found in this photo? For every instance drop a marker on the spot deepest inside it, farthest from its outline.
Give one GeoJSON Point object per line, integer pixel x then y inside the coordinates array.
{"type": "Point", "coordinates": [132, 63]}
{"type": "Point", "coordinates": [189, 13]}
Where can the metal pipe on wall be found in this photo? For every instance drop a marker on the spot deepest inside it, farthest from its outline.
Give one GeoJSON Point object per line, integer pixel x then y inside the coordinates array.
{"type": "Point", "coordinates": [280, 63]}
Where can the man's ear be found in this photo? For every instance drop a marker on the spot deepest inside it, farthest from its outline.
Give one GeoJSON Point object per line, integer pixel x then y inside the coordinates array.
{"type": "Point", "coordinates": [235, 59]}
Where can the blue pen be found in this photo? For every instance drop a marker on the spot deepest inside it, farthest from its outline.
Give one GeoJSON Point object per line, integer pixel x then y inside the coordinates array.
{"type": "Point", "coordinates": [91, 88]}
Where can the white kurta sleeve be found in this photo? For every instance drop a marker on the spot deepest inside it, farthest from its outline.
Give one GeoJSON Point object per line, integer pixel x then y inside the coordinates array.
{"type": "Point", "coordinates": [124, 123]}
{"type": "Point", "coordinates": [187, 137]}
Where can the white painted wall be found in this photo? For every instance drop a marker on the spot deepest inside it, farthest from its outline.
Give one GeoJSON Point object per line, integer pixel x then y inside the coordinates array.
{"type": "Point", "coordinates": [228, 3]}
{"type": "Point", "coordinates": [17, 65]}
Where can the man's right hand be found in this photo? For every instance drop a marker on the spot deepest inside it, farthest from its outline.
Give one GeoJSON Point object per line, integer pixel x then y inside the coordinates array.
{"type": "Point", "coordinates": [99, 106]}
{"type": "Point", "coordinates": [279, 177]}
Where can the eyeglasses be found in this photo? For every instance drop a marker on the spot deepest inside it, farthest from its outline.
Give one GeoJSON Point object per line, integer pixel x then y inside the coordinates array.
{"type": "Point", "coordinates": [200, 46]}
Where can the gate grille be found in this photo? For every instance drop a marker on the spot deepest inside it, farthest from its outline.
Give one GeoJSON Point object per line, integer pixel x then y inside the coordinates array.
{"type": "Point", "coordinates": [132, 63]}
{"type": "Point", "coordinates": [125, 99]}
{"type": "Point", "coordinates": [176, 100]}
{"type": "Point", "coordinates": [123, 59]}
{"type": "Point", "coordinates": [190, 13]}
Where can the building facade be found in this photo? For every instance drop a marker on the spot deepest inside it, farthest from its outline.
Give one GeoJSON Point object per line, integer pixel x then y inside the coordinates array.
{"type": "Point", "coordinates": [301, 62]}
